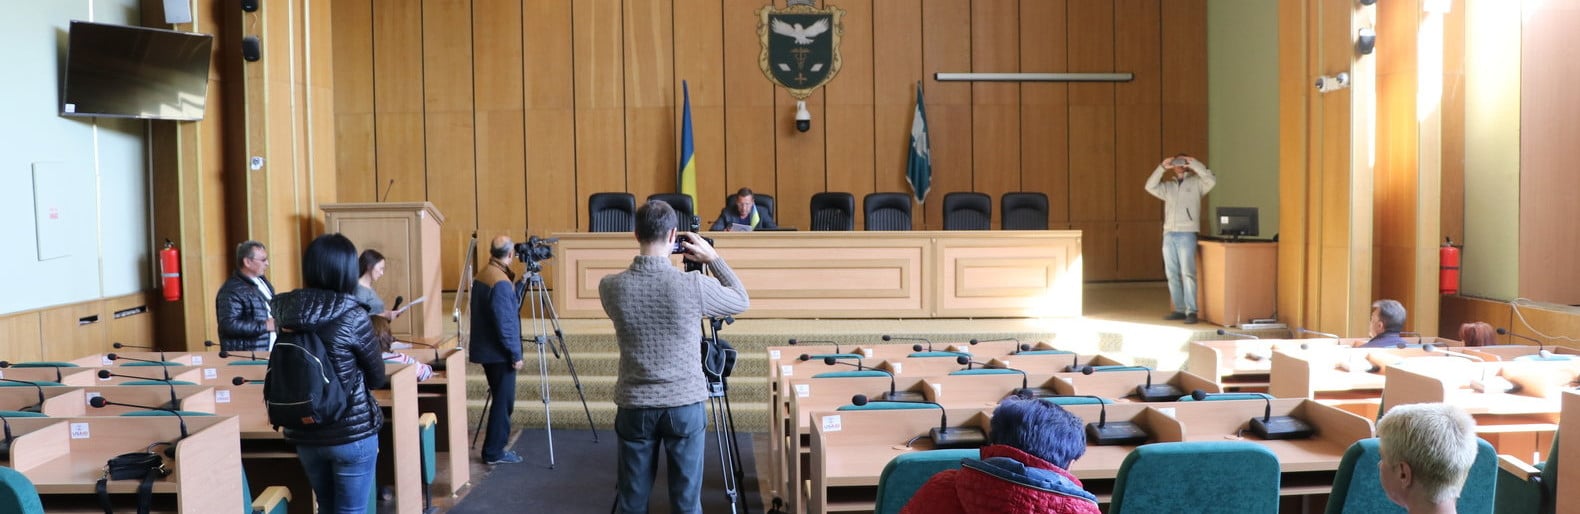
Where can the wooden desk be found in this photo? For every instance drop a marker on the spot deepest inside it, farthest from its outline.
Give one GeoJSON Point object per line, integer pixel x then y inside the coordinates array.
{"type": "Point", "coordinates": [806, 395]}
{"type": "Point", "coordinates": [850, 449]}
{"type": "Point", "coordinates": [912, 274]}
{"type": "Point", "coordinates": [206, 475]}
{"type": "Point", "coordinates": [1241, 364]}
{"type": "Point", "coordinates": [1515, 423]}
{"type": "Point", "coordinates": [450, 385]}
{"type": "Point", "coordinates": [1117, 385]}
{"type": "Point", "coordinates": [1510, 352]}
{"type": "Point", "coordinates": [67, 376]}
{"type": "Point", "coordinates": [1237, 281]}
{"type": "Point", "coordinates": [1569, 448]}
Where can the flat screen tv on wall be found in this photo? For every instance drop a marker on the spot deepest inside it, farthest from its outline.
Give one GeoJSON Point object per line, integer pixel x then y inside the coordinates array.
{"type": "Point", "coordinates": [135, 72]}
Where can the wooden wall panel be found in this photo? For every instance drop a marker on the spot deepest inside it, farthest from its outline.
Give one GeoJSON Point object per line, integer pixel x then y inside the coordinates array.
{"type": "Point", "coordinates": [897, 36]}
{"type": "Point", "coordinates": [995, 107]}
{"type": "Point", "coordinates": [749, 115]}
{"type": "Point", "coordinates": [67, 335]}
{"type": "Point", "coordinates": [1137, 137]}
{"type": "Point", "coordinates": [800, 158]}
{"type": "Point", "coordinates": [1184, 40]}
{"type": "Point", "coordinates": [946, 48]}
{"type": "Point", "coordinates": [1045, 159]}
{"type": "Point", "coordinates": [554, 198]}
{"type": "Point", "coordinates": [1453, 124]}
{"type": "Point", "coordinates": [450, 144]}
{"type": "Point", "coordinates": [849, 110]}
{"type": "Point", "coordinates": [497, 59]}
{"type": "Point", "coordinates": [650, 137]}
{"type": "Point", "coordinates": [398, 100]}
{"type": "Point", "coordinates": [1457, 310]}
{"type": "Point", "coordinates": [699, 43]}
{"type": "Point", "coordinates": [1091, 136]}
{"type": "Point", "coordinates": [23, 337]}
{"type": "Point", "coordinates": [353, 51]}
{"type": "Point", "coordinates": [600, 98]}
{"type": "Point", "coordinates": [1548, 233]}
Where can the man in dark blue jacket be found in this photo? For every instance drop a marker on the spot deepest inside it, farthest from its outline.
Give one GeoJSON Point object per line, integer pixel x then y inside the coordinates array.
{"type": "Point", "coordinates": [1386, 324]}
{"type": "Point", "coordinates": [496, 344]}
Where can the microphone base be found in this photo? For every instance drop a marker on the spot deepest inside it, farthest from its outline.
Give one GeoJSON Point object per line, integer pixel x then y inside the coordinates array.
{"type": "Point", "coordinates": [957, 437]}
{"type": "Point", "coordinates": [1280, 427]}
{"type": "Point", "coordinates": [1114, 433]}
{"type": "Point", "coordinates": [1158, 393]}
{"type": "Point", "coordinates": [904, 396]}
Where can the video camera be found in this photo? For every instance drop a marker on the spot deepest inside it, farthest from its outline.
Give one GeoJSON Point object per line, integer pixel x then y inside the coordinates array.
{"type": "Point", "coordinates": [534, 251]}
{"type": "Point", "coordinates": [695, 227]}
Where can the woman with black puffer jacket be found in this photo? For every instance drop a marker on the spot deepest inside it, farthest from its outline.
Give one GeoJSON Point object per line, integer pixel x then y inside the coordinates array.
{"type": "Point", "coordinates": [339, 456]}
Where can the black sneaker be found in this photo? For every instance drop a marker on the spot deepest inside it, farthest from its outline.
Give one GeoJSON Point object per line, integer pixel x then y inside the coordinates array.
{"type": "Point", "coordinates": [1174, 316]}
{"type": "Point", "coordinates": [509, 457]}
{"type": "Point", "coordinates": [1190, 319]}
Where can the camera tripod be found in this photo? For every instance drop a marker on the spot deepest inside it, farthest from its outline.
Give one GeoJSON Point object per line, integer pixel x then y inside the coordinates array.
{"type": "Point", "coordinates": [718, 361]}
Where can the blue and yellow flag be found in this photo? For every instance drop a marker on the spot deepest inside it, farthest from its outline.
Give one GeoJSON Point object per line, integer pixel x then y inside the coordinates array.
{"type": "Point", "coordinates": [919, 168]}
{"type": "Point", "coordinates": [687, 180]}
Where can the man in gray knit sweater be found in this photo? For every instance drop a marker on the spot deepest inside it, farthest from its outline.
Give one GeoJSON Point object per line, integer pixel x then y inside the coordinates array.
{"type": "Point", "coordinates": [657, 312]}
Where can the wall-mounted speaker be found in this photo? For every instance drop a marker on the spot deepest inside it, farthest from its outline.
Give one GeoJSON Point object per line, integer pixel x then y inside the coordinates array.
{"type": "Point", "coordinates": [249, 5]}
{"type": "Point", "coordinates": [178, 11]}
{"type": "Point", "coordinates": [251, 49]}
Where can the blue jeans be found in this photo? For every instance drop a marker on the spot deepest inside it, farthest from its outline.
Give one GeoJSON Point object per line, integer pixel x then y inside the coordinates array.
{"type": "Point", "coordinates": [680, 431]}
{"type": "Point", "coordinates": [502, 384]}
{"type": "Point", "coordinates": [1179, 264]}
{"type": "Point", "coordinates": [342, 475]}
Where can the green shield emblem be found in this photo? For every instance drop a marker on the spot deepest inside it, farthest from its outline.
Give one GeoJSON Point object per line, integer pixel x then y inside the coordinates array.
{"type": "Point", "coordinates": [800, 46]}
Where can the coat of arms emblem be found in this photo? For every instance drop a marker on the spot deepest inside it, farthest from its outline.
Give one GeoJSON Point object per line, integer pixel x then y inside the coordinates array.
{"type": "Point", "coordinates": [800, 45]}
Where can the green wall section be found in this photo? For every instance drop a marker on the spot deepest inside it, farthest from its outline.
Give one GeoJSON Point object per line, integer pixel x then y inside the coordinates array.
{"type": "Point", "coordinates": [1491, 259]}
{"type": "Point", "coordinates": [1242, 108]}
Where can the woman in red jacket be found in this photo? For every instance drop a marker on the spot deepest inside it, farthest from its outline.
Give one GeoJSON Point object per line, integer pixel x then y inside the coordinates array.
{"type": "Point", "coordinates": [1022, 471]}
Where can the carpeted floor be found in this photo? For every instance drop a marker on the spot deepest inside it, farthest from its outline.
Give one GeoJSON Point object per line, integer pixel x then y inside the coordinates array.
{"type": "Point", "coordinates": [583, 480]}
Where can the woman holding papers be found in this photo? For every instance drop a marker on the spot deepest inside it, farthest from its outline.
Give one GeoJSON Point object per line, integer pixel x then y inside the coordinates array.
{"type": "Point", "coordinates": [371, 264]}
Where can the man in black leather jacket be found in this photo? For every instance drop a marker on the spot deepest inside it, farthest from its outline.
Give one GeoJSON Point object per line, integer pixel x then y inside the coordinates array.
{"type": "Point", "coordinates": [246, 322]}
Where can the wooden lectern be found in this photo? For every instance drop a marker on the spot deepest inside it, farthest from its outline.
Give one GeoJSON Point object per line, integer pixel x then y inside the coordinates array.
{"type": "Point", "coordinates": [408, 236]}
{"type": "Point", "coordinates": [1235, 281]}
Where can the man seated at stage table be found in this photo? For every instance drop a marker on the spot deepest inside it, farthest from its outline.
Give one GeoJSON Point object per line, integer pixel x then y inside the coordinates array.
{"type": "Point", "coordinates": [1034, 442]}
{"type": "Point", "coordinates": [1387, 322]}
{"type": "Point", "coordinates": [1426, 453]}
{"type": "Point", "coordinates": [744, 212]}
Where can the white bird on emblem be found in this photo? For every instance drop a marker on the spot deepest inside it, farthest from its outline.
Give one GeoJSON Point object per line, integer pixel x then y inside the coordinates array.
{"type": "Point", "coordinates": [803, 36]}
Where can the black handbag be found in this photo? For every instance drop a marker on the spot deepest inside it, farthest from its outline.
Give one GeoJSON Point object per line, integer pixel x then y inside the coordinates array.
{"type": "Point", "coordinates": [147, 466]}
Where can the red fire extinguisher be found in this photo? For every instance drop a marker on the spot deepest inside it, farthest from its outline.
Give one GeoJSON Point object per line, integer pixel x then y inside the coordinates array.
{"type": "Point", "coordinates": [1448, 270]}
{"type": "Point", "coordinates": [170, 271]}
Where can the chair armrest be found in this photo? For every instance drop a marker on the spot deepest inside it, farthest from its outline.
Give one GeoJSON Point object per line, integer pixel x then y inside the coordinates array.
{"type": "Point", "coordinates": [1518, 468]}
{"type": "Point", "coordinates": [270, 498]}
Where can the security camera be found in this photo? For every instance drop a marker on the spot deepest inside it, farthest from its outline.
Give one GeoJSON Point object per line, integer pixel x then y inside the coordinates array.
{"type": "Point", "coordinates": [803, 117]}
{"type": "Point", "coordinates": [1365, 40]}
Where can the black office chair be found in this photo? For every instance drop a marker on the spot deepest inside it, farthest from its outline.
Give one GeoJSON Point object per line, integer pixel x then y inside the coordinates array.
{"type": "Point", "coordinates": [833, 211]}
{"type": "Point", "coordinates": [765, 204]}
{"type": "Point", "coordinates": [682, 205]}
{"type": "Point", "coordinates": [887, 211]}
{"type": "Point", "coordinates": [968, 211]}
{"type": "Point", "coordinates": [1025, 211]}
{"type": "Point", "coordinates": [611, 212]}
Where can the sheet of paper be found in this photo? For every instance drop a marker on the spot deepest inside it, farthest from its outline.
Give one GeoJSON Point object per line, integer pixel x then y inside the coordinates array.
{"type": "Point", "coordinates": [404, 308]}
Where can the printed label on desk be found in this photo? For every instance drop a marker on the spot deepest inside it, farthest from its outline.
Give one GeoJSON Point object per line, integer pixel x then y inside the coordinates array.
{"type": "Point", "coordinates": [79, 431]}
{"type": "Point", "coordinates": [896, 368]}
{"type": "Point", "coordinates": [90, 395]}
{"type": "Point", "coordinates": [803, 390]}
{"type": "Point", "coordinates": [938, 389]}
{"type": "Point", "coordinates": [2, 374]}
{"type": "Point", "coordinates": [773, 354]}
{"type": "Point", "coordinates": [786, 370]}
{"type": "Point", "coordinates": [831, 424]}
{"type": "Point", "coordinates": [210, 373]}
{"type": "Point", "coordinates": [866, 353]}
{"type": "Point", "coordinates": [197, 360]}
{"type": "Point", "coordinates": [105, 361]}
{"type": "Point", "coordinates": [222, 396]}
{"type": "Point", "coordinates": [1166, 411]}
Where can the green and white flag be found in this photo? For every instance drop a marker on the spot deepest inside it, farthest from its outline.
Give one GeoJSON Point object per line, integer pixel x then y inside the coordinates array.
{"type": "Point", "coordinates": [919, 168]}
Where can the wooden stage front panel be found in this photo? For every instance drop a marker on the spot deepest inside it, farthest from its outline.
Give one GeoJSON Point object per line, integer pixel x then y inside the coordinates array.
{"type": "Point", "coordinates": [917, 274]}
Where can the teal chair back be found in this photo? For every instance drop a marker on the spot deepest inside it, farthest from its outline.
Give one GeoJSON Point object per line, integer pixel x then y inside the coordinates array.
{"type": "Point", "coordinates": [1537, 495]}
{"type": "Point", "coordinates": [141, 363]}
{"type": "Point", "coordinates": [1045, 352]}
{"type": "Point", "coordinates": [1357, 487]}
{"type": "Point", "coordinates": [156, 383]}
{"type": "Point", "coordinates": [851, 374]}
{"type": "Point", "coordinates": [22, 414]}
{"type": "Point", "coordinates": [30, 383]}
{"type": "Point", "coordinates": [1218, 397]}
{"type": "Point", "coordinates": [1240, 477]}
{"type": "Point", "coordinates": [164, 413]}
{"type": "Point", "coordinates": [1076, 400]}
{"type": "Point", "coordinates": [43, 364]}
{"type": "Point", "coordinates": [985, 371]}
{"type": "Point", "coordinates": [1549, 358]}
{"type": "Point", "coordinates": [17, 493]}
{"type": "Point", "coordinates": [904, 475]}
{"type": "Point", "coordinates": [934, 354]}
{"type": "Point", "coordinates": [887, 406]}
{"type": "Point", "coordinates": [249, 362]}
{"type": "Point", "coordinates": [427, 429]}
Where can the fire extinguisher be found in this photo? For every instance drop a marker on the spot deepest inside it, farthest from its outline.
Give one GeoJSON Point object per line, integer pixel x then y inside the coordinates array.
{"type": "Point", "coordinates": [170, 271]}
{"type": "Point", "coordinates": [1448, 270]}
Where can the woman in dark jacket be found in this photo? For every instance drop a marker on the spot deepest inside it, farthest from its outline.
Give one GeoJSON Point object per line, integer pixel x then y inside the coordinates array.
{"type": "Point", "coordinates": [339, 456]}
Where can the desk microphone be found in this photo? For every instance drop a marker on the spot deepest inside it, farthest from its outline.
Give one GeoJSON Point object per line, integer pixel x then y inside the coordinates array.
{"type": "Point", "coordinates": [892, 395]}
{"type": "Point", "coordinates": [1334, 337]}
{"type": "Point", "coordinates": [917, 348]}
{"type": "Point", "coordinates": [974, 342]}
{"type": "Point", "coordinates": [832, 359]}
{"type": "Point", "coordinates": [7, 364]}
{"type": "Point", "coordinates": [1147, 391]}
{"type": "Point", "coordinates": [1075, 363]}
{"type": "Point", "coordinates": [175, 403]}
{"type": "Point", "coordinates": [150, 348]}
{"type": "Point", "coordinates": [31, 408]}
{"type": "Point", "coordinates": [1506, 332]}
{"type": "Point", "coordinates": [1223, 332]}
{"type": "Point", "coordinates": [98, 402]}
{"type": "Point", "coordinates": [944, 436]}
{"type": "Point", "coordinates": [1432, 348]}
{"type": "Point", "coordinates": [1028, 349]}
{"type": "Point", "coordinates": [1103, 433]}
{"type": "Point", "coordinates": [1269, 426]}
{"type": "Point", "coordinates": [244, 381]}
{"type": "Point", "coordinates": [226, 354]}
{"type": "Point", "coordinates": [794, 342]}
{"type": "Point", "coordinates": [1025, 391]}
{"type": "Point", "coordinates": [5, 444]}
{"type": "Point", "coordinates": [438, 360]}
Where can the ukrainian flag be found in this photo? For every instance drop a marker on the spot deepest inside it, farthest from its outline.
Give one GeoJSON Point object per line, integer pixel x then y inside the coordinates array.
{"type": "Point", "coordinates": [687, 181]}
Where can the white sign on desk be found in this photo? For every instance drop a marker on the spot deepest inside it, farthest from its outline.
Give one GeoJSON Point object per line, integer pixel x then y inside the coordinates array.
{"type": "Point", "coordinates": [210, 373]}
{"type": "Point", "coordinates": [786, 370]}
{"type": "Point", "coordinates": [79, 431]}
{"type": "Point", "coordinates": [773, 354]}
{"type": "Point", "coordinates": [832, 424]}
{"type": "Point", "coordinates": [222, 396]}
{"type": "Point", "coordinates": [803, 390]}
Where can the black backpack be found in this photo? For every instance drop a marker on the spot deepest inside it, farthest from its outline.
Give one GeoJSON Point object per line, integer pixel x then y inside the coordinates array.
{"type": "Point", "coordinates": [301, 389]}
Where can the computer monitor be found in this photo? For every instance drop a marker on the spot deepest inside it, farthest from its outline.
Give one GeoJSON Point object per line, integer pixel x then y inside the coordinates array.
{"type": "Point", "coordinates": [1237, 222]}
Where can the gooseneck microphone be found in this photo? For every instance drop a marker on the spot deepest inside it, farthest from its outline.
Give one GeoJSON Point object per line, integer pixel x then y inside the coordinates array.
{"type": "Point", "coordinates": [438, 360]}
{"type": "Point", "coordinates": [175, 403]}
{"type": "Point", "coordinates": [149, 348]}
{"type": "Point", "coordinates": [162, 365]}
{"type": "Point", "coordinates": [887, 337]}
{"type": "Point", "coordinates": [5, 444]}
{"type": "Point", "coordinates": [945, 436]}
{"type": "Point", "coordinates": [1434, 349]}
{"type": "Point", "coordinates": [1223, 332]}
{"type": "Point", "coordinates": [226, 354]}
{"type": "Point", "coordinates": [1147, 392]}
{"type": "Point", "coordinates": [244, 381]}
{"type": "Point", "coordinates": [1025, 391]}
{"type": "Point", "coordinates": [7, 364]}
{"type": "Point", "coordinates": [975, 342]}
{"type": "Point", "coordinates": [1269, 426]}
{"type": "Point", "coordinates": [1334, 337]}
{"type": "Point", "coordinates": [831, 360]}
{"type": "Point", "coordinates": [31, 408]}
{"type": "Point", "coordinates": [1075, 363]}
{"type": "Point", "coordinates": [1103, 433]}
{"type": "Point", "coordinates": [98, 402]}
{"type": "Point", "coordinates": [1539, 345]}
{"type": "Point", "coordinates": [794, 342]}
{"type": "Point", "coordinates": [892, 395]}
